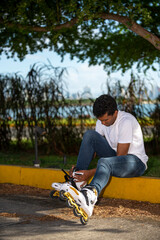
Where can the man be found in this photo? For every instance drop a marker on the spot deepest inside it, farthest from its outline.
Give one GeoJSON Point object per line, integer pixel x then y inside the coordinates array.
{"type": "Point", "coordinates": [118, 141]}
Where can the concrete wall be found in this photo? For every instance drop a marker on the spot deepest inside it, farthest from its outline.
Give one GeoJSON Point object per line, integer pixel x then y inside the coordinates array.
{"type": "Point", "coordinates": [140, 189]}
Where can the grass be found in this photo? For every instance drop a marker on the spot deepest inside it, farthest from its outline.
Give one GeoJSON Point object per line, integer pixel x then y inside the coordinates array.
{"type": "Point", "coordinates": [26, 158]}
{"type": "Point", "coordinates": [153, 166]}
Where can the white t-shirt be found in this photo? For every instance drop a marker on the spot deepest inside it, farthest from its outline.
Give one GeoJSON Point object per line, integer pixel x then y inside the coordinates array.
{"type": "Point", "coordinates": [125, 129]}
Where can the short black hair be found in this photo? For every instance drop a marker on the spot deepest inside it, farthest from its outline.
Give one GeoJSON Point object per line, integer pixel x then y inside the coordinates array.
{"type": "Point", "coordinates": [104, 104]}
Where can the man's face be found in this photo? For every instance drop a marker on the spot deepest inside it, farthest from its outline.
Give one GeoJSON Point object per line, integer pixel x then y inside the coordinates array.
{"type": "Point", "coordinates": [108, 120]}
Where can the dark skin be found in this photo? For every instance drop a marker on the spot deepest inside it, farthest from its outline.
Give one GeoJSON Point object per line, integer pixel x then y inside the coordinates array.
{"type": "Point", "coordinates": [122, 148]}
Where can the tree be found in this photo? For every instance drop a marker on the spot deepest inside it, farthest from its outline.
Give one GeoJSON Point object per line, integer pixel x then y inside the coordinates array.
{"type": "Point", "coordinates": [115, 33]}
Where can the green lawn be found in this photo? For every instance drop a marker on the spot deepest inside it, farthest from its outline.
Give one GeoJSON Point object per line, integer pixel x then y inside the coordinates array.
{"type": "Point", "coordinates": [153, 166]}
{"type": "Point", "coordinates": [26, 158]}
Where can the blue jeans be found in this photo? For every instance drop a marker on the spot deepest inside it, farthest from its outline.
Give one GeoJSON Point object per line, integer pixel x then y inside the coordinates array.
{"type": "Point", "coordinates": [109, 164]}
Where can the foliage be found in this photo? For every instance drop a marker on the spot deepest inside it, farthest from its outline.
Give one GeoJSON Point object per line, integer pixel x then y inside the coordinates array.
{"type": "Point", "coordinates": [5, 133]}
{"type": "Point", "coordinates": [116, 33]}
{"type": "Point", "coordinates": [132, 98]}
{"type": "Point", "coordinates": [155, 116]}
{"type": "Point", "coordinates": [153, 166]}
{"type": "Point", "coordinates": [39, 100]}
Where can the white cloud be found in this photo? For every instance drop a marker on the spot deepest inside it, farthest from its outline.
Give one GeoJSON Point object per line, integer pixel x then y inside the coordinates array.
{"type": "Point", "coordinates": [82, 75]}
{"type": "Point", "coordinates": [79, 76]}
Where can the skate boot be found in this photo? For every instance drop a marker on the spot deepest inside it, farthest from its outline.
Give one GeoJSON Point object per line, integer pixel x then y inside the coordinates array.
{"type": "Point", "coordinates": [60, 188]}
{"type": "Point", "coordinates": [82, 201]}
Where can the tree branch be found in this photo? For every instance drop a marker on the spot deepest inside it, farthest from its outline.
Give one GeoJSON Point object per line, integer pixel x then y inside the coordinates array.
{"type": "Point", "coordinates": [68, 24]}
{"type": "Point", "coordinates": [134, 27]}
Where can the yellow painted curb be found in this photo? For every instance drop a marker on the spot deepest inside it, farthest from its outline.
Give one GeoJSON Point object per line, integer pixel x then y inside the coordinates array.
{"type": "Point", "coordinates": [140, 189]}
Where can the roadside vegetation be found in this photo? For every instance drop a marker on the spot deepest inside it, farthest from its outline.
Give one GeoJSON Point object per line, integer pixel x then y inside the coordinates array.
{"type": "Point", "coordinates": [41, 100]}
{"type": "Point", "coordinates": [27, 157]}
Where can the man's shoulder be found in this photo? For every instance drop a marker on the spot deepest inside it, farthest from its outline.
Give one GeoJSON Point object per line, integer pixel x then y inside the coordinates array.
{"type": "Point", "coordinates": [125, 117]}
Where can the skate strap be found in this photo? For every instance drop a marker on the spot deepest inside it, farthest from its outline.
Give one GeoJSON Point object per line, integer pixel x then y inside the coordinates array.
{"type": "Point", "coordinates": [65, 172]}
{"type": "Point", "coordinates": [66, 176]}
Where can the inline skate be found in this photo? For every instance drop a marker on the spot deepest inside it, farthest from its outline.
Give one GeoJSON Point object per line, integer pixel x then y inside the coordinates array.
{"type": "Point", "coordinates": [82, 201]}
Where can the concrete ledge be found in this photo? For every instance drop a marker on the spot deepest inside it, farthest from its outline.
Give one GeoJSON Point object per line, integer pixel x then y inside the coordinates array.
{"type": "Point", "coordinates": [140, 189]}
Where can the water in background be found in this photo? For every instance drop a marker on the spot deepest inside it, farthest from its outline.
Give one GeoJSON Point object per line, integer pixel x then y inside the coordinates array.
{"type": "Point", "coordinates": [77, 111]}
{"type": "Point", "coordinates": [147, 109]}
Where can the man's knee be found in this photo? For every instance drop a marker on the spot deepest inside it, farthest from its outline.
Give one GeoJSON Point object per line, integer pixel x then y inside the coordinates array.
{"type": "Point", "coordinates": [104, 162]}
{"type": "Point", "coordinates": [89, 134]}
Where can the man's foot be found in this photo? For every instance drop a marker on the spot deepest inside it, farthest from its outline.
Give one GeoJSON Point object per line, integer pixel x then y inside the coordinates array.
{"type": "Point", "coordinates": [82, 201]}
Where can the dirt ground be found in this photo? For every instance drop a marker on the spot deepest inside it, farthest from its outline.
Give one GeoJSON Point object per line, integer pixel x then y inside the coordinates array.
{"type": "Point", "coordinates": [104, 207]}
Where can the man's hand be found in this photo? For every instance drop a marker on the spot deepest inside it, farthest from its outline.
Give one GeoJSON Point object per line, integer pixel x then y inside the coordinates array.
{"type": "Point", "coordinates": [85, 176]}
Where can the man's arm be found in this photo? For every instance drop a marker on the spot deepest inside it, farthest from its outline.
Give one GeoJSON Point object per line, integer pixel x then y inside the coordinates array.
{"type": "Point", "coordinates": [122, 149]}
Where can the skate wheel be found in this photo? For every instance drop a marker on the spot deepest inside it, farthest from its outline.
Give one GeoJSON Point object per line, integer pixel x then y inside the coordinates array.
{"type": "Point", "coordinates": [76, 213]}
{"type": "Point", "coordinates": [61, 195]}
{"type": "Point", "coordinates": [54, 194]}
{"type": "Point", "coordinates": [83, 221]}
{"type": "Point", "coordinates": [69, 204]}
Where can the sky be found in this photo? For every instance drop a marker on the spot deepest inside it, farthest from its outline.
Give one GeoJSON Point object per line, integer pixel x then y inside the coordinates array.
{"type": "Point", "coordinates": [80, 75]}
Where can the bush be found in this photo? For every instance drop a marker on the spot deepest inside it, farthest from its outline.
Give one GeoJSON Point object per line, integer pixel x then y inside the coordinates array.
{"type": "Point", "coordinates": [40, 100]}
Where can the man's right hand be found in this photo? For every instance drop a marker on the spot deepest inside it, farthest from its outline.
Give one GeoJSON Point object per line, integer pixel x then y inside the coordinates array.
{"type": "Point", "coordinates": [84, 176]}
